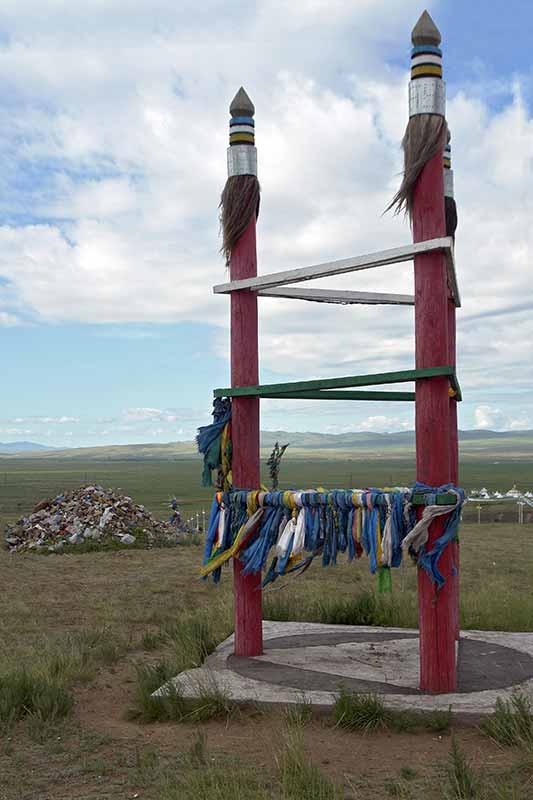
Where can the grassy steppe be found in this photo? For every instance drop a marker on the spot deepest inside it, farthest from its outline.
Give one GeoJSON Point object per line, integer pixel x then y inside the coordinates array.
{"type": "Point", "coordinates": [81, 634]}
{"type": "Point", "coordinates": [25, 481]}
{"type": "Point", "coordinates": [87, 623]}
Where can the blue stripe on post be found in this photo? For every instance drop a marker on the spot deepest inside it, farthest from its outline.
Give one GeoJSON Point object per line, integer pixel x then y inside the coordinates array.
{"type": "Point", "coordinates": [426, 48]}
{"type": "Point", "coordinates": [242, 121]}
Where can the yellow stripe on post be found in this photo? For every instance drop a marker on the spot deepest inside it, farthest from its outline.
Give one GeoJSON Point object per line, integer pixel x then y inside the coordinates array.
{"type": "Point", "coordinates": [241, 137]}
{"type": "Point", "coordinates": [427, 69]}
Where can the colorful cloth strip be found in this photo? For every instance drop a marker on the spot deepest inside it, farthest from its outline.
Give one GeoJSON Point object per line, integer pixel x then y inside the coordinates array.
{"type": "Point", "coordinates": [283, 532]}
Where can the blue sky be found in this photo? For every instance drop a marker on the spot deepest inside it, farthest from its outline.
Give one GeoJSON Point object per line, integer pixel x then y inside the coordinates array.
{"type": "Point", "coordinates": [112, 158]}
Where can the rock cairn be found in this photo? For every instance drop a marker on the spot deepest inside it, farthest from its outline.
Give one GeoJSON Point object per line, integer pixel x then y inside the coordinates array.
{"type": "Point", "coordinates": [89, 514]}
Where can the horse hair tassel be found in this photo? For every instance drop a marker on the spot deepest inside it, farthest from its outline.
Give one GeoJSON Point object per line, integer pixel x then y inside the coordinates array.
{"type": "Point", "coordinates": [240, 197]}
{"type": "Point", "coordinates": [426, 132]}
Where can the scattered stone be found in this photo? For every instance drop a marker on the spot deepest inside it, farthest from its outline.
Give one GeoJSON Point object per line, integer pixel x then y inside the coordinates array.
{"type": "Point", "coordinates": [93, 514]}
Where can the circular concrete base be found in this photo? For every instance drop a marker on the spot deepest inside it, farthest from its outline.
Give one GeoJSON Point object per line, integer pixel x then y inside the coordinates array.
{"type": "Point", "coordinates": [310, 660]}
{"type": "Point", "coordinates": [386, 663]}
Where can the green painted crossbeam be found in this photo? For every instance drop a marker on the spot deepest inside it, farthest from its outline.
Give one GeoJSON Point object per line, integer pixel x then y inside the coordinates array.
{"type": "Point", "coordinates": [342, 395]}
{"type": "Point", "coordinates": [320, 389]}
{"type": "Point", "coordinates": [443, 499]}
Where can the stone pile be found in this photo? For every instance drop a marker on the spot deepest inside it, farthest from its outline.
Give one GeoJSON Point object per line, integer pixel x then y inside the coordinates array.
{"type": "Point", "coordinates": [90, 514]}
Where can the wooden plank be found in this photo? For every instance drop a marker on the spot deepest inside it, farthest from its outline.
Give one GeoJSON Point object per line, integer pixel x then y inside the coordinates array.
{"type": "Point", "coordinates": [394, 256]}
{"type": "Point", "coordinates": [343, 395]}
{"type": "Point", "coordinates": [402, 376]}
{"type": "Point", "coordinates": [340, 296]}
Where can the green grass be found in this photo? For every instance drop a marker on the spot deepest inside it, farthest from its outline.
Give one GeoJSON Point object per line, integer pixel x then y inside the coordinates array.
{"type": "Point", "coordinates": [361, 712]}
{"type": "Point", "coordinates": [226, 781]}
{"type": "Point", "coordinates": [87, 619]}
{"type": "Point", "coordinates": [298, 777]}
{"type": "Point", "coordinates": [463, 783]}
{"type": "Point", "coordinates": [189, 641]}
{"type": "Point", "coordinates": [299, 714]}
{"type": "Point", "coordinates": [512, 722]}
{"type": "Point", "coordinates": [366, 713]}
{"type": "Point", "coordinates": [153, 481]}
{"type": "Point", "coordinates": [362, 608]}
{"type": "Point", "coordinates": [23, 694]}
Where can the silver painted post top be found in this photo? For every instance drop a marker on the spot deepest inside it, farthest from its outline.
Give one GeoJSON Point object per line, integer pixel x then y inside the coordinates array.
{"type": "Point", "coordinates": [241, 105]}
{"type": "Point", "coordinates": [425, 31]}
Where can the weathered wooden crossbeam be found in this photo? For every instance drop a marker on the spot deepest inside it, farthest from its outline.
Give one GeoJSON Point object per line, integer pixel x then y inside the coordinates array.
{"type": "Point", "coordinates": [341, 297]}
{"type": "Point", "coordinates": [393, 256]}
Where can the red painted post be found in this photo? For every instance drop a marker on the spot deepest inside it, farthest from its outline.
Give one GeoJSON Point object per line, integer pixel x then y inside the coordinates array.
{"type": "Point", "coordinates": [245, 434]}
{"type": "Point", "coordinates": [436, 617]}
{"type": "Point", "coordinates": [451, 223]}
{"type": "Point", "coordinates": [454, 463]}
{"type": "Point", "coordinates": [242, 173]}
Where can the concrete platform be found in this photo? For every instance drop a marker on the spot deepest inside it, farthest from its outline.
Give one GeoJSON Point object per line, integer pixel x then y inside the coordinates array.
{"type": "Point", "coordinates": [311, 661]}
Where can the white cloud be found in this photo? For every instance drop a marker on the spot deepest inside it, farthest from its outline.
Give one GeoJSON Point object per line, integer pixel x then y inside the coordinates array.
{"type": "Point", "coordinates": [492, 418]}
{"type": "Point", "coordinates": [124, 136]}
{"type": "Point", "coordinates": [158, 415]}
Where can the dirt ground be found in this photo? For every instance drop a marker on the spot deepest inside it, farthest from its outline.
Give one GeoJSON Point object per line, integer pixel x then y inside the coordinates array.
{"type": "Point", "coordinates": [99, 754]}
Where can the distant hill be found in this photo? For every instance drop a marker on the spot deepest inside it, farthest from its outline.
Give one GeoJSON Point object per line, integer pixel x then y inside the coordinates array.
{"type": "Point", "coordinates": [473, 444]}
{"type": "Point", "coordinates": [22, 447]}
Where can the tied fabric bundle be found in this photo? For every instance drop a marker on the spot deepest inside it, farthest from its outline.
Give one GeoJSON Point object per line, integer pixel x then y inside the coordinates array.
{"type": "Point", "coordinates": [240, 196]}
{"type": "Point", "coordinates": [426, 133]}
{"type": "Point", "coordinates": [214, 442]}
{"type": "Point", "coordinates": [281, 533]}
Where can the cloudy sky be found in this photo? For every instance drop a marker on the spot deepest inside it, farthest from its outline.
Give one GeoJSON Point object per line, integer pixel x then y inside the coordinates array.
{"type": "Point", "coordinates": [113, 135]}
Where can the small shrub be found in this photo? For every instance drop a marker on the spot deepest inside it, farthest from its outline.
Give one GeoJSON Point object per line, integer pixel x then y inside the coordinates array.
{"type": "Point", "coordinates": [405, 721]}
{"type": "Point", "coordinates": [168, 706]}
{"type": "Point", "coordinates": [408, 773]}
{"type": "Point", "coordinates": [194, 638]}
{"type": "Point", "coordinates": [212, 703]}
{"type": "Point", "coordinates": [397, 789]}
{"type": "Point", "coordinates": [299, 714]}
{"type": "Point", "coordinates": [408, 721]}
{"type": "Point", "coordinates": [512, 722]}
{"type": "Point", "coordinates": [152, 640]}
{"type": "Point", "coordinates": [298, 778]}
{"type": "Point", "coordinates": [364, 712]}
{"type": "Point", "coordinates": [462, 780]}
{"type": "Point", "coordinates": [23, 694]}
{"type": "Point", "coordinates": [438, 721]}
{"type": "Point", "coordinates": [198, 750]}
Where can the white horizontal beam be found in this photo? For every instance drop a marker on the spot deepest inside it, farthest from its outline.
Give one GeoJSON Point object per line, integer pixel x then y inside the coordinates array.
{"type": "Point", "coordinates": [340, 296]}
{"type": "Point", "coordinates": [394, 256]}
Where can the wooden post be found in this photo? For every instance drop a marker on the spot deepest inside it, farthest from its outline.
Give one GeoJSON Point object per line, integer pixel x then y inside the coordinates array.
{"type": "Point", "coordinates": [245, 416]}
{"type": "Point", "coordinates": [452, 358]}
{"type": "Point", "coordinates": [454, 464]}
{"type": "Point", "coordinates": [436, 617]}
